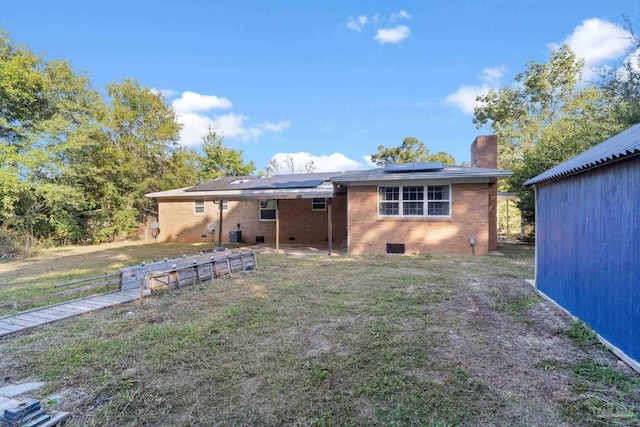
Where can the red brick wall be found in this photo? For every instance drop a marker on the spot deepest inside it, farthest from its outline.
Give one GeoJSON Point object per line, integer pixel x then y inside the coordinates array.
{"type": "Point", "coordinates": [369, 234]}
{"type": "Point", "coordinates": [178, 223]}
{"type": "Point", "coordinates": [484, 152]}
{"type": "Point", "coordinates": [299, 221]}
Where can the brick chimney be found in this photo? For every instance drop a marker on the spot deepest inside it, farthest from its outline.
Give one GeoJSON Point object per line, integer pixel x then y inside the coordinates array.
{"type": "Point", "coordinates": [484, 152]}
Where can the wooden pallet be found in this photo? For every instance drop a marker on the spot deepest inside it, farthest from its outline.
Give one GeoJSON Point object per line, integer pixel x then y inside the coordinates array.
{"type": "Point", "coordinates": [199, 270]}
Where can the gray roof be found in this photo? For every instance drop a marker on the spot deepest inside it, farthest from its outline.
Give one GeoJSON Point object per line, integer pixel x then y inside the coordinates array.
{"type": "Point", "coordinates": [413, 167]}
{"type": "Point", "coordinates": [448, 172]}
{"type": "Point", "coordinates": [622, 145]}
{"type": "Point", "coordinates": [307, 185]}
{"type": "Point", "coordinates": [310, 185]}
{"type": "Point", "coordinates": [323, 190]}
{"type": "Point", "coordinates": [305, 180]}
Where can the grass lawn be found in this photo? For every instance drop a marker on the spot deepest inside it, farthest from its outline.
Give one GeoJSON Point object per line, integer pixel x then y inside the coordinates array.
{"type": "Point", "coordinates": [316, 340]}
{"type": "Point", "coordinates": [29, 283]}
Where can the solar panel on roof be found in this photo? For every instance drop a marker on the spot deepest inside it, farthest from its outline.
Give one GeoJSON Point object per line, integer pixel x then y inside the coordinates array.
{"type": "Point", "coordinates": [413, 167]}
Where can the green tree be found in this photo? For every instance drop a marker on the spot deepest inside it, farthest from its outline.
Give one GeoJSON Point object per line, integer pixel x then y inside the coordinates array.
{"type": "Point", "coordinates": [130, 158]}
{"type": "Point", "coordinates": [74, 166]}
{"type": "Point", "coordinates": [45, 108]}
{"type": "Point", "coordinates": [411, 150]}
{"type": "Point", "coordinates": [219, 160]}
{"type": "Point", "coordinates": [621, 84]}
{"type": "Point", "coordinates": [545, 118]}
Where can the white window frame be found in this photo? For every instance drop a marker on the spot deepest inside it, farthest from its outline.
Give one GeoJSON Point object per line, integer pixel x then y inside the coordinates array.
{"type": "Point", "coordinates": [391, 201]}
{"type": "Point", "coordinates": [425, 200]}
{"type": "Point", "coordinates": [264, 209]}
{"type": "Point", "coordinates": [316, 202]}
{"type": "Point", "coordinates": [428, 201]}
{"type": "Point", "coordinates": [404, 201]}
{"type": "Point", "coordinates": [198, 207]}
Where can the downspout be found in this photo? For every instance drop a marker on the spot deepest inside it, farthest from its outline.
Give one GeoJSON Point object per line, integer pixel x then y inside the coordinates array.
{"type": "Point", "coordinates": [329, 224]}
{"type": "Point", "coordinates": [219, 223]}
{"type": "Point", "coordinates": [277, 225]}
{"type": "Point", "coordinates": [348, 221]}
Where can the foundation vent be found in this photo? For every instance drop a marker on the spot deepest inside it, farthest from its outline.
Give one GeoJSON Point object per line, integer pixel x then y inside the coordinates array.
{"type": "Point", "coordinates": [259, 239]}
{"type": "Point", "coordinates": [395, 248]}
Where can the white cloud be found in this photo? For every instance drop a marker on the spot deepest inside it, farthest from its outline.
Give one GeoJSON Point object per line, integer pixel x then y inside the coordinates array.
{"type": "Point", "coordinates": [492, 75]}
{"type": "Point", "coordinates": [233, 126]}
{"type": "Point", "coordinates": [597, 41]}
{"type": "Point", "coordinates": [191, 102]}
{"type": "Point", "coordinates": [403, 14]}
{"type": "Point", "coordinates": [275, 127]}
{"type": "Point", "coordinates": [356, 24]}
{"type": "Point", "coordinates": [191, 109]}
{"type": "Point", "coordinates": [465, 97]}
{"type": "Point", "coordinates": [392, 35]}
{"type": "Point", "coordinates": [368, 163]}
{"type": "Point", "coordinates": [336, 162]}
{"type": "Point", "coordinates": [194, 127]}
{"type": "Point", "coordinates": [166, 93]}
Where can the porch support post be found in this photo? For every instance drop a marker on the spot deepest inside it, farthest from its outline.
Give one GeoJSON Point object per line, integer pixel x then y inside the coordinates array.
{"type": "Point", "coordinates": [219, 223]}
{"type": "Point", "coordinates": [277, 225]}
{"type": "Point", "coordinates": [508, 200]}
{"type": "Point", "coordinates": [329, 224]}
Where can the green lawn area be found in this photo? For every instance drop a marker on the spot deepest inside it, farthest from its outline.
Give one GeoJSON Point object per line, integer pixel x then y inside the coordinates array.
{"type": "Point", "coordinates": [320, 341]}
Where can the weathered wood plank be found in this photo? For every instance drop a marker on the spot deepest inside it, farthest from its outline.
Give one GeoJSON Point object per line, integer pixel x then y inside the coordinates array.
{"type": "Point", "coordinates": [75, 282]}
{"type": "Point", "coordinates": [21, 322]}
{"type": "Point", "coordinates": [7, 327]}
{"type": "Point", "coordinates": [32, 318]}
{"type": "Point", "coordinates": [108, 299]}
{"type": "Point", "coordinates": [88, 287]}
{"type": "Point", "coordinates": [43, 315]}
{"type": "Point", "coordinates": [61, 310]}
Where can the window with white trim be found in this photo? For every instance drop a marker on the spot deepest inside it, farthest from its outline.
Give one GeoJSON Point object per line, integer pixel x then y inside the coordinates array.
{"type": "Point", "coordinates": [318, 204]}
{"type": "Point", "coordinates": [431, 201]}
{"type": "Point", "coordinates": [413, 200]}
{"type": "Point", "coordinates": [268, 210]}
{"type": "Point", "coordinates": [438, 200]}
{"type": "Point", "coordinates": [388, 201]}
{"type": "Point", "coordinates": [198, 206]}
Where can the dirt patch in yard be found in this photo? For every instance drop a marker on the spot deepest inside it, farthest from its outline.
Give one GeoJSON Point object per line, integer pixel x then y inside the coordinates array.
{"type": "Point", "coordinates": [373, 340]}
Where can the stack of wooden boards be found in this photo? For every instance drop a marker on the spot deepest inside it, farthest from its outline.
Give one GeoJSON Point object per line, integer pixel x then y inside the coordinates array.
{"type": "Point", "coordinates": [179, 272]}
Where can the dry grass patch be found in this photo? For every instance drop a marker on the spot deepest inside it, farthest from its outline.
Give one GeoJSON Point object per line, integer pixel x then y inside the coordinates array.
{"type": "Point", "coordinates": [376, 340]}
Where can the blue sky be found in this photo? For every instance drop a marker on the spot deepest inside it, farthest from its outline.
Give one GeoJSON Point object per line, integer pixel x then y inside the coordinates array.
{"type": "Point", "coordinates": [328, 81]}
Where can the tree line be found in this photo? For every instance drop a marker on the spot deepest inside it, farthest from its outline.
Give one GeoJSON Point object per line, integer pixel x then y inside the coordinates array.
{"type": "Point", "coordinates": [550, 114]}
{"type": "Point", "coordinates": [75, 164]}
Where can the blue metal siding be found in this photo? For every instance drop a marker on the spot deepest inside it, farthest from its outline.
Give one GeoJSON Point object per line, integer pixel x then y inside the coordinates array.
{"type": "Point", "coordinates": [588, 232]}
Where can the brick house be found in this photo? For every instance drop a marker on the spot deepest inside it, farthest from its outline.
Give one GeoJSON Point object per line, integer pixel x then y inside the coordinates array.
{"type": "Point", "coordinates": [412, 208]}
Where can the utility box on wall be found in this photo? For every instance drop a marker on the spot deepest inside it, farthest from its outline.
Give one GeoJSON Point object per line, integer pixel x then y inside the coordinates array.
{"type": "Point", "coordinates": [235, 236]}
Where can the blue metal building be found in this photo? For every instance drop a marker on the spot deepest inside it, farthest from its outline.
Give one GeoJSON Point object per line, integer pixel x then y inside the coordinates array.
{"type": "Point", "coordinates": [588, 239]}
